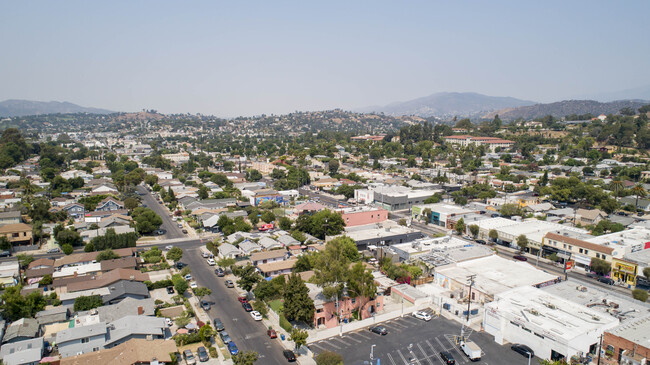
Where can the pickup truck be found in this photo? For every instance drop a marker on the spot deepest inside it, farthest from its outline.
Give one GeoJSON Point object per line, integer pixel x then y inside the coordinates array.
{"type": "Point", "coordinates": [471, 349]}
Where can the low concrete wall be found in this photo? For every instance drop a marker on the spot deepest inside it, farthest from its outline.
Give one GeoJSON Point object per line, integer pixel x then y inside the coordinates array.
{"type": "Point", "coordinates": [318, 335]}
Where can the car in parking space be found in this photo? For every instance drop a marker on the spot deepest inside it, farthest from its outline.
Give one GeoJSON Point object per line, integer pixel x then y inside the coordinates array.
{"type": "Point", "coordinates": [229, 284]}
{"type": "Point", "coordinates": [522, 349]}
{"type": "Point", "coordinates": [220, 272]}
{"type": "Point", "coordinates": [194, 285]}
{"type": "Point", "coordinates": [422, 315]}
{"type": "Point", "coordinates": [225, 337]}
{"type": "Point", "coordinates": [380, 330]}
{"type": "Point", "coordinates": [447, 358]}
{"type": "Point", "coordinates": [189, 357]}
{"type": "Point", "coordinates": [256, 315]}
{"type": "Point", "coordinates": [54, 250]}
{"type": "Point", "coordinates": [272, 334]}
{"type": "Point", "coordinates": [520, 257]}
{"type": "Point", "coordinates": [289, 355]}
{"type": "Point", "coordinates": [233, 348]}
{"type": "Point", "coordinates": [202, 354]}
{"type": "Point", "coordinates": [481, 242]}
{"type": "Point", "coordinates": [5, 254]}
{"type": "Point", "coordinates": [205, 305]}
{"type": "Point", "coordinates": [180, 225]}
{"type": "Point", "coordinates": [242, 299]}
{"type": "Point", "coordinates": [170, 290]}
{"type": "Point", "coordinates": [247, 307]}
{"type": "Point", "coordinates": [211, 261]}
{"type": "Point", "coordinates": [604, 280]}
{"type": "Point", "coordinates": [218, 325]}
{"type": "Point", "coordinates": [188, 277]}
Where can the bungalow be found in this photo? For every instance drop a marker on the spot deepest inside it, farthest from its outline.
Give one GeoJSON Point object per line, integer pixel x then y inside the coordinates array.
{"type": "Point", "coordinates": [20, 330]}
{"type": "Point", "coordinates": [226, 250]}
{"type": "Point", "coordinates": [643, 204]}
{"type": "Point", "coordinates": [268, 243]}
{"type": "Point", "coordinates": [266, 257]}
{"type": "Point", "coordinates": [248, 247]}
{"type": "Point", "coordinates": [589, 217]}
{"type": "Point", "coordinates": [103, 189]}
{"type": "Point", "coordinates": [92, 233]}
{"type": "Point", "coordinates": [10, 217]}
{"type": "Point", "coordinates": [109, 204]}
{"type": "Point", "coordinates": [9, 272]}
{"type": "Point", "coordinates": [125, 289]}
{"type": "Point", "coordinates": [26, 352]}
{"type": "Point", "coordinates": [286, 240]}
{"type": "Point", "coordinates": [135, 351]}
{"type": "Point", "coordinates": [17, 233]}
{"type": "Point", "coordinates": [273, 269]}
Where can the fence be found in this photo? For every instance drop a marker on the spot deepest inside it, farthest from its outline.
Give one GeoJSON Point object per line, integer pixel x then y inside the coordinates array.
{"type": "Point", "coordinates": [318, 335]}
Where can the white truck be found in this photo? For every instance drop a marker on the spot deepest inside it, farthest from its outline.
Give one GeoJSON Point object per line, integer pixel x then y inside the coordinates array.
{"type": "Point", "coordinates": [471, 349]}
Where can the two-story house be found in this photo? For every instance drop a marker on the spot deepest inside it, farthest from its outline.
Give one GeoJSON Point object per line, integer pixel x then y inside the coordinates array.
{"type": "Point", "coordinates": [109, 204]}
{"type": "Point", "coordinates": [75, 210]}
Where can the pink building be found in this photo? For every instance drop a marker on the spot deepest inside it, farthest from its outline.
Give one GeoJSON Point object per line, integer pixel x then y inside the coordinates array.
{"type": "Point", "coordinates": [327, 311]}
{"type": "Point", "coordinates": [359, 216]}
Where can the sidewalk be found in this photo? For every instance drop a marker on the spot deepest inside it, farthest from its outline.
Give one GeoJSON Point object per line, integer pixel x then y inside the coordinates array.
{"type": "Point", "coordinates": [273, 320]}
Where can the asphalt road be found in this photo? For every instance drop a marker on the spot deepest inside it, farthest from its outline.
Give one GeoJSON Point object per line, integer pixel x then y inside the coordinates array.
{"type": "Point", "coordinates": [248, 334]}
{"type": "Point", "coordinates": [413, 341]}
{"type": "Point", "coordinates": [322, 198]}
{"type": "Point", "coordinates": [168, 224]}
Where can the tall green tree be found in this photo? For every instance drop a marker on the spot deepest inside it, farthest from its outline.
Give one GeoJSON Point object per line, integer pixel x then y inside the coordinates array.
{"type": "Point", "coordinates": [248, 277]}
{"type": "Point", "coordinates": [297, 303]}
{"type": "Point", "coordinates": [460, 226]}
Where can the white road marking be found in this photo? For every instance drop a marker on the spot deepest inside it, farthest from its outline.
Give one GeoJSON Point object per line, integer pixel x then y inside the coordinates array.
{"type": "Point", "coordinates": [425, 355]}
{"type": "Point", "coordinates": [391, 359]}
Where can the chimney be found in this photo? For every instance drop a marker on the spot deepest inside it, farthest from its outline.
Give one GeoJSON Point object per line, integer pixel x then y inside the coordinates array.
{"type": "Point", "coordinates": [140, 310]}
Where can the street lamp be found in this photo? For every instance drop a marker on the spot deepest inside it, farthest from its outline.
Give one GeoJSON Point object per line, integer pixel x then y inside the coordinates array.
{"type": "Point", "coordinates": [372, 349]}
{"type": "Point", "coordinates": [529, 356]}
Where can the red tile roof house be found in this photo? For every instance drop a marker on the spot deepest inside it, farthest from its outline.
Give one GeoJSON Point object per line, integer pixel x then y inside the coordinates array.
{"type": "Point", "coordinates": [326, 312]}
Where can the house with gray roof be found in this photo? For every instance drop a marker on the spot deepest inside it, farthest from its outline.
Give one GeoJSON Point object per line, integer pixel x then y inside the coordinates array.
{"type": "Point", "coordinates": [22, 329]}
{"type": "Point", "coordinates": [126, 289]}
{"type": "Point", "coordinates": [268, 243]}
{"type": "Point", "coordinates": [82, 339]}
{"type": "Point", "coordinates": [129, 327]}
{"type": "Point", "coordinates": [287, 240]}
{"type": "Point", "coordinates": [54, 315]}
{"type": "Point", "coordinates": [248, 247]}
{"type": "Point", "coordinates": [26, 352]}
{"type": "Point", "coordinates": [226, 250]}
{"type": "Point", "coordinates": [128, 306]}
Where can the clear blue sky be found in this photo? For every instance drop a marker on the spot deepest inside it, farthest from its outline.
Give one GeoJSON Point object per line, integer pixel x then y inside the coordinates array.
{"type": "Point", "coordinates": [250, 57]}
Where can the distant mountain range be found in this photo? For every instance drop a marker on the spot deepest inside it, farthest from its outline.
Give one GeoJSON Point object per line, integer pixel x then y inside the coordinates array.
{"type": "Point", "coordinates": [19, 108]}
{"type": "Point", "coordinates": [563, 108]}
{"type": "Point", "coordinates": [449, 104]}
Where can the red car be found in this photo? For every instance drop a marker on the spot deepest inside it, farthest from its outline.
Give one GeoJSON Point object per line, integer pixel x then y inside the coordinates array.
{"type": "Point", "coordinates": [242, 300]}
{"type": "Point", "coordinates": [520, 257]}
{"type": "Point", "coordinates": [272, 333]}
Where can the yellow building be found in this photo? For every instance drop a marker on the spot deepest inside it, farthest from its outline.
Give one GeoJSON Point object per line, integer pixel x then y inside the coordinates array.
{"type": "Point", "coordinates": [624, 271]}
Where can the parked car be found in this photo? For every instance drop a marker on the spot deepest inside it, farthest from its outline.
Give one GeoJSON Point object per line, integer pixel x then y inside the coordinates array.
{"type": "Point", "coordinates": [481, 242]}
{"type": "Point", "coordinates": [160, 232]}
{"type": "Point", "coordinates": [5, 254]}
{"type": "Point", "coordinates": [242, 299]}
{"type": "Point", "coordinates": [592, 275]}
{"type": "Point", "coordinates": [225, 337]}
{"type": "Point", "coordinates": [54, 250]}
{"type": "Point", "coordinates": [211, 262]}
{"type": "Point", "coordinates": [169, 247]}
{"type": "Point", "coordinates": [169, 321]}
{"type": "Point", "coordinates": [422, 315]}
{"type": "Point", "coordinates": [272, 334]}
{"type": "Point", "coordinates": [289, 355]}
{"type": "Point", "coordinates": [180, 225]}
{"type": "Point", "coordinates": [180, 265]}
{"type": "Point", "coordinates": [233, 348]}
{"type": "Point", "coordinates": [522, 349]}
{"type": "Point", "coordinates": [184, 231]}
{"type": "Point", "coordinates": [188, 277]}
{"type": "Point", "coordinates": [247, 307]}
{"type": "Point", "coordinates": [229, 284]}
{"type": "Point", "coordinates": [604, 280]}
{"type": "Point", "coordinates": [202, 353]}
{"type": "Point", "coordinates": [380, 330]}
{"type": "Point", "coordinates": [256, 315]}
{"type": "Point", "coordinates": [194, 285]}
{"type": "Point", "coordinates": [220, 272]}
{"type": "Point", "coordinates": [520, 257]}
{"type": "Point", "coordinates": [205, 305]}
{"type": "Point", "coordinates": [447, 358]}
{"type": "Point", "coordinates": [189, 357]}
{"type": "Point", "coordinates": [170, 290]}
{"type": "Point", "coordinates": [218, 325]}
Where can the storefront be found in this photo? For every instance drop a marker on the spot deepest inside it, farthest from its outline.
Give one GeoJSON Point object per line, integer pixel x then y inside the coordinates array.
{"type": "Point", "coordinates": [624, 271]}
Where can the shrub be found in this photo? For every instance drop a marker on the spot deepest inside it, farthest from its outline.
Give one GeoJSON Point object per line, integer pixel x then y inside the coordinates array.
{"type": "Point", "coordinates": [285, 324]}
{"type": "Point", "coordinates": [189, 338]}
{"type": "Point", "coordinates": [640, 294]}
{"type": "Point", "coordinates": [328, 358]}
{"type": "Point", "coordinates": [213, 352]}
{"type": "Point", "coordinates": [85, 303]}
{"type": "Point", "coordinates": [67, 249]}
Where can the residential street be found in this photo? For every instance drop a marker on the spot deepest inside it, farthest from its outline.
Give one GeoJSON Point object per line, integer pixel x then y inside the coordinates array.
{"type": "Point", "coordinates": [248, 334]}
{"type": "Point", "coordinates": [168, 224]}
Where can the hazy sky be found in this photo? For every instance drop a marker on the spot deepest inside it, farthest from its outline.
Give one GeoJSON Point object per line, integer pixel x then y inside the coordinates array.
{"type": "Point", "coordinates": [250, 57]}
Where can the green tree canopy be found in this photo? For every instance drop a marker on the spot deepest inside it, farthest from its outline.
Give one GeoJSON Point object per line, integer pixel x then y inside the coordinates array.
{"type": "Point", "coordinates": [297, 303]}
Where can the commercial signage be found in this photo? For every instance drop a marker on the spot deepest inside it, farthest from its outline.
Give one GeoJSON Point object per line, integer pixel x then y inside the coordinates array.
{"type": "Point", "coordinates": [569, 265]}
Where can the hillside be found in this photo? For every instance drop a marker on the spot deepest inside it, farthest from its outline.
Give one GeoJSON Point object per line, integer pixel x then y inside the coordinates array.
{"type": "Point", "coordinates": [449, 104]}
{"type": "Point", "coordinates": [18, 108]}
{"type": "Point", "coordinates": [563, 108]}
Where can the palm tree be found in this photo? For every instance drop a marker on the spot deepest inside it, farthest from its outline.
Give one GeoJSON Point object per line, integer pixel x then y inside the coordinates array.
{"type": "Point", "coordinates": [617, 185]}
{"type": "Point", "coordinates": [639, 191]}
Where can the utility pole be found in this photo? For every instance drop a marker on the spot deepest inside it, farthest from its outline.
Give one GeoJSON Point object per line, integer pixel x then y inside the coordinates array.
{"type": "Point", "coordinates": [600, 348]}
{"type": "Point", "coordinates": [470, 280]}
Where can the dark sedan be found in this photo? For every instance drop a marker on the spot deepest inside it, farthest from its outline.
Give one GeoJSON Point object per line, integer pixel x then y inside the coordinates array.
{"type": "Point", "coordinates": [247, 307]}
{"type": "Point", "coordinates": [380, 330]}
{"type": "Point", "coordinates": [203, 354]}
{"type": "Point", "coordinates": [289, 355]}
{"type": "Point", "coordinates": [522, 349]}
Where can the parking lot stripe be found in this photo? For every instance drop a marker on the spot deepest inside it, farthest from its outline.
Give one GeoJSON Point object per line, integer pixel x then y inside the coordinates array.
{"type": "Point", "coordinates": [339, 340]}
{"type": "Point", "coordinates": [434, 350]}
{"type": "Point", "coordinates": [411, 320]}
{"type": "Point", "coordinates": [349, 337]}
{"type": "Point", "coordinates": [397, 323]}
{"type": "Point", "coordinates": [402, 356]}
{"type": "Point", "coordinates": [393, 327]}
{"type": "Point", "coordinates": [391, 359]}
{"type": "Point", "coordinates": [462, 356]}
{"type": "Point", "coordinates": [425, 355]}
{"type": "Point", "coordinates": [329, 344]}
{"type": "Point", "coordinates": [318, 345]}
{"type": "Point", "coordinates": [360, 333]}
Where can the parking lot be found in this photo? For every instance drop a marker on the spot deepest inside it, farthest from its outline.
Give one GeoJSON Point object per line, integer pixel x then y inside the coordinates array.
{"type": "Point", "coordinates": [413, 341]}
